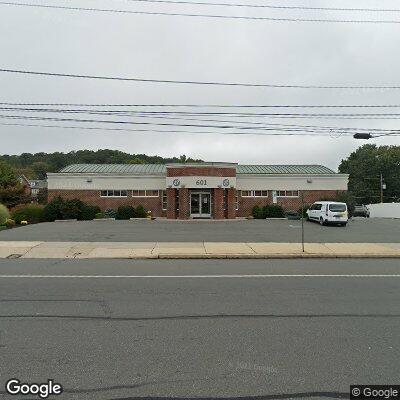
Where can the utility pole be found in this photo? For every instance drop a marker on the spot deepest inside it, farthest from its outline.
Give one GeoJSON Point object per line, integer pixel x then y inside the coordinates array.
{"type": "Point", "coordinates": [381, 188]}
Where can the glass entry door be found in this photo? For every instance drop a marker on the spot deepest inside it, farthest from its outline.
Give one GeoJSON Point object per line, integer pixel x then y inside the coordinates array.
{"type": "Point", "coordinates": [200, 205]}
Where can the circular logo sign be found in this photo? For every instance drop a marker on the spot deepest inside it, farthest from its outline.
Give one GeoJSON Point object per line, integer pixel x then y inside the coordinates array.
{"type": "Point", "coordinates": [176, 182]}
{"type": "Point", "coordinates": [225, 182]}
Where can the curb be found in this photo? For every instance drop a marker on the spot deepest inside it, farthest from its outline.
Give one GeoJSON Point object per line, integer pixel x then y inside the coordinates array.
{"type": "Point", "coordinates": [221, 257]}
{"type": "Point", "coordinates": [243, 257]}
{"type": "Point", "coordinates": [269, 256]}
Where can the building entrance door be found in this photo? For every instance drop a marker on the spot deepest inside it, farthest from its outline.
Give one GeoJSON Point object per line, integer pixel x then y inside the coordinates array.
{"type": "Point", "coordinates": [200, 205]}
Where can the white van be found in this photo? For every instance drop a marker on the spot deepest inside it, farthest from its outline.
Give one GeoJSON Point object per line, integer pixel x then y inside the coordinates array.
{"type": "Point", "coordinates": [328, 212]}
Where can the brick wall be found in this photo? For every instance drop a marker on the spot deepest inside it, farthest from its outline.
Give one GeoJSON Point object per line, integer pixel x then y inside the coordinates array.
{"type": "Point", "coordinates": [201, 171]}
{"type": "Point", "coordinates": [246, 204]}
{"type": "Point", "coordinates": [218, 212]}
{"type": "Point", "coordinates": [184, 206]}
{"type": "Point", "coordinates": [93, 197]}
{"type": "Point", "coordinates": [231, 203]}
{"type": "Point", "coordinates": [171, 203]}
{"type": "Point", "coordinates": [154, 204]}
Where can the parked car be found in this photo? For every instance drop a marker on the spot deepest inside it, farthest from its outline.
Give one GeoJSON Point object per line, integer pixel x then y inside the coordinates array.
{"type": "Point", "coordinates": [361, 211]}
{"type": "Point", "coordinates": [328, 212]}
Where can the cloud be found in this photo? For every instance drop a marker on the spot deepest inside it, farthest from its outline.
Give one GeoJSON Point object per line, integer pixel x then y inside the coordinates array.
{"type": "Point", "coordinates": [195, 49]}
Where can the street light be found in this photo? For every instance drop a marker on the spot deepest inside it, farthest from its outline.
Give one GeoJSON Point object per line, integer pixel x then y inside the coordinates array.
{"type": "Point", "coordinates": [362, 136]}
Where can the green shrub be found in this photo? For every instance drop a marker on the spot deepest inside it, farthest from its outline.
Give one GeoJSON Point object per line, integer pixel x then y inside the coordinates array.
{"type": "Point", "coordinates": [32, 213]}
{"type": "Point", "coordinates": [72, 209]}
{"type": "Point", "coordinates": [89, 212]}
{"type": "Point", "coordinates": [125, 212]}
{"type": "Point", "coordinates": [4, 214]}
{"type": "Point", "coordinates": [110, 213]}
{"type": "Point", "coordinates": [140, 212]}
{"type": "Point", "coordinates": [99, 215]}
{"type": "Point", "coordinates": [291, 214]}
{"type": "Point", "coordinates": [10, 223]}
{"type": "Point", "coordinates": [303, 210]}
{"type": "Point", "coordinates": [348, 198]}
{"type": "Point", "coordinates": [273, 211]}
{"type": "Point", "coordinates": [257, 212]}
{"type": "Point", "coordinates": [52, 210]}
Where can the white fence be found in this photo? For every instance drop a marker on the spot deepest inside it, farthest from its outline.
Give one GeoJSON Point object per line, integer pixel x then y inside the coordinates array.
{"type": "Point", "coordinates": [384, 210]}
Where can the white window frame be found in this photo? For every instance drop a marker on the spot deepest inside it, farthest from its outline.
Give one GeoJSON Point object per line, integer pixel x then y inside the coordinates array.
{"type": "Point", "coordinates": [164, 200]}
{"type": "Point", "coordinates": [278, 195]}
{"type": "Point", "coordinates": [252, 193]}
{"type": "Point", "coordinates": [145, 193]}
{"type": "Point", "coordinates": [114, 190]}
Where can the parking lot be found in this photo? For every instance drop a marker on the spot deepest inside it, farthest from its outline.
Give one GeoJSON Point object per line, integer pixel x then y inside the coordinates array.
{"type": "Point", "coordinates": [358, 230]}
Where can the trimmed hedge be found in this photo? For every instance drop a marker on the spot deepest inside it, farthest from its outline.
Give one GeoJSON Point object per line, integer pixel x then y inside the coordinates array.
{"type": "Point", "coordinates": [4, 214]}
{"type": "Point", "coordinates": [89, 212]}
{"type": "Point", "coordinates": [125, 212]}
{"type": "Point", "coordinates": [32, 213]}
{"type": "Point", "coordinates": [268, 211]}
{"type": "Point", "coordinates": [110, 213]}
{"type": "Point", "coordinates": [257, 212]}
{"type": "Point", "coordinates": [140, 212]}
{"type": "Point", "coordinates": [59, 208]}
{"type": "Point", "coordinates": [273, 211]}
{"type": "Point", "coordinates": [52, 210]}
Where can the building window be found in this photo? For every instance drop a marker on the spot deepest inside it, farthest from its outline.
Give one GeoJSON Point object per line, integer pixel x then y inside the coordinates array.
{"type": "Point", "coordinates": [114, 193]}
{"type": "Point", "coordinates": [287, 193]}
{"type": "Point", "coordinates": [145, 193]}
{"type": "Point", "coordinates": [254, 193]}
{"type": "Point", "coordinates": [164, 199]}
{"type": "Point", "coordinates": [225, 199]}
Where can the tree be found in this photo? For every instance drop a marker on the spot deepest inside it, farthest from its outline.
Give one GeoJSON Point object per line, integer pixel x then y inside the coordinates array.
{"type": "Point", "coordinates": [365, 166]}
{"type": "Point", "coordinates": [40, 169]}
{"type": "Point", "coordinates": [11, 190]}
{"type": "Point", "coordinates": [136, 160]}
{"type": "Point", "coordinates": [32, 165]}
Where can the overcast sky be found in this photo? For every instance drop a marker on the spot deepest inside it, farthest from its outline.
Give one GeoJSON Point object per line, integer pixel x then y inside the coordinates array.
{"type": "Point", "coordinates": [184, 48]}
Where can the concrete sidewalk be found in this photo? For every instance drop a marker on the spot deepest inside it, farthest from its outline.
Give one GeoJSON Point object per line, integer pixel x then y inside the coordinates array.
{"type": "Point", "coordinates": [194, 250]}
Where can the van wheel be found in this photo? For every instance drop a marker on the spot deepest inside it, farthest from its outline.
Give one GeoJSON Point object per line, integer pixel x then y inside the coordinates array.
{"type": "Point", "coordinates": [344, 224]}
{"type": "Point", "coordinates": [321, 221]}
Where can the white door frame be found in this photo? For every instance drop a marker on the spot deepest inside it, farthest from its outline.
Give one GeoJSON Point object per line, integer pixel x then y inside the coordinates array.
{"type": "Point", "coordinates": [200, 214]}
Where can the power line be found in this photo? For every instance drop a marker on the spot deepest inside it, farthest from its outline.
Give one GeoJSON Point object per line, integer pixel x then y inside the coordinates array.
{"type": "Point", "coordinates": [237, 17]}
{"type": "Point", "coordinates": [210, 83]}
{"type": "Point", "coordinates": [341, 131]}
{"type": "Point", "coordinates": [203, 105]}
{"type": "Point", "coordinates": [162, 131]}
{"type": "Point", "coordinates": [265, 6]}
{"type": "Point", "coordinates": [141, 113]}
{"type": "Point", "coordinates": [174, 131]}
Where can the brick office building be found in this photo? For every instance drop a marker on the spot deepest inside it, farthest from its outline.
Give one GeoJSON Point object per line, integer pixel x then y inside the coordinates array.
{"type": "Point", "coordinates": [201, 190]}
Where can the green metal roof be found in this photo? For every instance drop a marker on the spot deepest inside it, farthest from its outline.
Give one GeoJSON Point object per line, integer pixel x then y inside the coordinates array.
{"type": "Point", "coordinates": [160, 169]}
{"type": "Point", "coordinates": [283, 169]}
{"type": "Point", "coordinates": [137, 169]}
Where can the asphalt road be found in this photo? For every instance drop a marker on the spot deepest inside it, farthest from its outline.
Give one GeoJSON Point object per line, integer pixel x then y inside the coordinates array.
{"type": "Point", "coordinates": [360, 230]}
{"type": "Point", "coordinates": [200, 329]}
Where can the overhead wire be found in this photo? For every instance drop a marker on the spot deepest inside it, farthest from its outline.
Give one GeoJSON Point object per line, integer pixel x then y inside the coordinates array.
{"type": "Point", "coordinates": [272, 128]}
{"type": "Point", "coordinates": [212, 16]}
{"type": "Point", "coordinates": [268, 6]}
{"type": "Point", "coordinates": [190, 82]}
{"type": "Point", "coordinates": [205, 105]}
